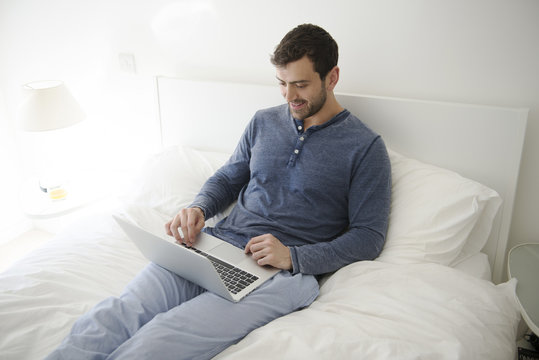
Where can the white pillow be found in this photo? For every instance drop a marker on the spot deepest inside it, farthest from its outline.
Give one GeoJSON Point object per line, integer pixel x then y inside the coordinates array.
{"type": "Point", "coordinates": [169, 180]}
{"type": "Point", "coordinates": [436, 214]}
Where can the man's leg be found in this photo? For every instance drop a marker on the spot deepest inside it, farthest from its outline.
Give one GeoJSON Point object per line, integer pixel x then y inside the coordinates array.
{"type": "Point", "coordinates": [110, 323]}
{"type": "Point", "coordinates": [206, 325]}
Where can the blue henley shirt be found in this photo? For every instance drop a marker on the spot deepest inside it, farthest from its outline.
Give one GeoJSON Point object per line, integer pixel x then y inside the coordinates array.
{"type": "Point", "coordinates": [324, 192]}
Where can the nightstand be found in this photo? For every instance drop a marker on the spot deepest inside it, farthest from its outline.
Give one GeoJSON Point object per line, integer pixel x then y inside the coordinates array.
{"type": "Point", "coordinates": [87, 192]}
{"type": "Point", "coordinates": [523, 264]}
{"type": "Point", "coordinates": [37, 204]}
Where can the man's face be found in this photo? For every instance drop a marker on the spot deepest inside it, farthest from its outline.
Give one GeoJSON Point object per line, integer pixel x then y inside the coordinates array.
{"type": "Point", "coordinates": [302, 88]}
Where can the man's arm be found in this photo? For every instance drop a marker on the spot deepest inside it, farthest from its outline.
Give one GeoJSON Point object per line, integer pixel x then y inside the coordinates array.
{"type": "Point", "coordinates": [368, 211]}
{"type": "Point", "coordinates": [354, 245]}
{"type": "Point", "coordinates": [217, 193]}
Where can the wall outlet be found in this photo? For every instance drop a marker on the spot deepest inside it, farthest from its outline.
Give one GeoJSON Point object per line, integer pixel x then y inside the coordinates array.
{"type": "Point", "coordinates": [127, 62]}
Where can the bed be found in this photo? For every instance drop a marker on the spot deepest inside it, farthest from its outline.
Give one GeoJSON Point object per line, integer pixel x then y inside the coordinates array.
{"type": "Point", "coordinates": [437, 291]}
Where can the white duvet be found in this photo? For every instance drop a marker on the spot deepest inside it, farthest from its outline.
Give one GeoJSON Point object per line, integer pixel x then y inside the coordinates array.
{"type": "Point", "coordinates": [373, 310]}
{"type": "Point", "coordinates": [368, 310]}
{"type": "Point", "coordinates": [43, 294]}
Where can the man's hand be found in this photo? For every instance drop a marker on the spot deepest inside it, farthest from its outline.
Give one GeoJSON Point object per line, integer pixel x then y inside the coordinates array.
{"type": "Point", "coordinates": [191, 221]}
{"type": "Point", "coordinates": [268, 250]}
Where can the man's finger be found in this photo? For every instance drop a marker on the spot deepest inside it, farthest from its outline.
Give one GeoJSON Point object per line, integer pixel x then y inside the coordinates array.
{"type": "Point", "coordinates": [183, 226]}
{"type": "Point", "coordinates": [167, 228]}
{"type": "Point", "coordinates": [253, 241]}
{"type": "Point", "coordinates": [174, 228]}
{"type": "Point", "coordinates": [191, 231]}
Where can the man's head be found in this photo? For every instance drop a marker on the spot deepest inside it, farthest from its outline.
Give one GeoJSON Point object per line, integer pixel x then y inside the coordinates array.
{"type": "Point", "coordinates": [311, 41]}
{"type": "Point", "coordinates": [307, 71]}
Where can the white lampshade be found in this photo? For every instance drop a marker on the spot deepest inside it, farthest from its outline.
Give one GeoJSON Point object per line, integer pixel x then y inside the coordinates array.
{"type": "Point", "coordinates": [48, 105]}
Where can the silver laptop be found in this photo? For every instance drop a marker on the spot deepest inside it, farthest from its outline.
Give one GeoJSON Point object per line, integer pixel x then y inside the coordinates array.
{"type": "Point", "coordinates": [212, 263]}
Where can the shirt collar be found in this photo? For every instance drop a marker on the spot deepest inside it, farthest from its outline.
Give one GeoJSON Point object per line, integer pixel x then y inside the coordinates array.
{"type": "Point", "coordinates": [298, 124]}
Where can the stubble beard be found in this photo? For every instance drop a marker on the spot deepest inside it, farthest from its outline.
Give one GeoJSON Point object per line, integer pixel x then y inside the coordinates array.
{"type": "Point", "coordinates": [312, 106]}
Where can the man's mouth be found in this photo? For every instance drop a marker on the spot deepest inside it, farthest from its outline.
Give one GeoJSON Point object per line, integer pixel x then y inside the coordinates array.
{"type": "Point", "coordinates": [297, 105]}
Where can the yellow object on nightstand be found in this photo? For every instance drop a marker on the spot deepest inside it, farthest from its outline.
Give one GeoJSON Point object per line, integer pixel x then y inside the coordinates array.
{"type": "Point", "coordinates": [57, 193]}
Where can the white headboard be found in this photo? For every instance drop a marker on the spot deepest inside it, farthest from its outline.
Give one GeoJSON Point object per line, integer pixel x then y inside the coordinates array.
{"type": "Point", "coordinates": [209, 115]}
{"type": "Point", "coordinates": [479, 142]}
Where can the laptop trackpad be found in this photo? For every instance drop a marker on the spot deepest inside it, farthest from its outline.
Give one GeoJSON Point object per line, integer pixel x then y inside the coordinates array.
{"type": "Point", "coordinates": [206, 242]}
{"type": "Point", "coordinates": [229, 253]}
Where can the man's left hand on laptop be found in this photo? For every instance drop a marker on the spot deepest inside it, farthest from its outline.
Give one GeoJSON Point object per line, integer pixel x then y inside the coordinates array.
{"type": "Point", "coordinates": [268, 250]}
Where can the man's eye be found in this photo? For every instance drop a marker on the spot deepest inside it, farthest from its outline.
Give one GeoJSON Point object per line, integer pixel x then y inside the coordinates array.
{"type": "Point", "coordinates": [300, 86]}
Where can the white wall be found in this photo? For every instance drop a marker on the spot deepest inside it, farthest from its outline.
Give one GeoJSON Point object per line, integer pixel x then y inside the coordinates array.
{"type": "Point", "coordinates": [474, 51]}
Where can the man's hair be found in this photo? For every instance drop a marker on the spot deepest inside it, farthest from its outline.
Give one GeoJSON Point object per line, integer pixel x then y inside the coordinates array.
{"type": "Point", "coordinates": [310, 40]}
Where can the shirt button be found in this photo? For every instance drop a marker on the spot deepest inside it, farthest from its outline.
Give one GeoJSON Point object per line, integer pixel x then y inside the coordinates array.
{"type": "Point", "coordinates": [296, 151]}
{"type": "Point", "coordinates": [302, 138]}
{"type": "Point", "coordinates": [300, 127]}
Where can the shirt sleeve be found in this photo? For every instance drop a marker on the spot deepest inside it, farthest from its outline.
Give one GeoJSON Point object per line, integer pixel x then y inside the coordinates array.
{"type": "Point", "coordinates": [369, 204]}
{"type": "Point", "coordinates": [223, 187]}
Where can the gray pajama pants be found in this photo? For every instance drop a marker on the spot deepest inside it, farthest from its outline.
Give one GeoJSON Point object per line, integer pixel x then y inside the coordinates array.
{"type": "Point", "coordinates": [163, 316]}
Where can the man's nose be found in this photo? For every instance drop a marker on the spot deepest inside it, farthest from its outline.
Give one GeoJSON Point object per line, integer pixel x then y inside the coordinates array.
{"type": "Point", "coordinates": [290, 93]}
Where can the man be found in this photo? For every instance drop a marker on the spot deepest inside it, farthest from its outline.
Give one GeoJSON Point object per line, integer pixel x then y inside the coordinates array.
{"type": "Point", "coordinates": [312, 186]}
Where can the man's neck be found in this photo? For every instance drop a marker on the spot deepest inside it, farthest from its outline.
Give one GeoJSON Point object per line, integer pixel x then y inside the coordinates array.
{"type": "Point", "coordinates": [330, 109]}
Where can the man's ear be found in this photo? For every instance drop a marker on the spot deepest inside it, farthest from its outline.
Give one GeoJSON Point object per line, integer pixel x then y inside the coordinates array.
{"type": "Point", "coordinates": [332, 78]}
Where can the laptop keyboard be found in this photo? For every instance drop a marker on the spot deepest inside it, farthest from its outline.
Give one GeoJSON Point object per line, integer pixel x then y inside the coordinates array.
{"type": "Point", "coordinates": [235, 279]}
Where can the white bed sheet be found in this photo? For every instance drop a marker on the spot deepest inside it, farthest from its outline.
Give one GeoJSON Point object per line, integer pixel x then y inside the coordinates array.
{"type": "Point", "coordinates": [368, 310]}
{"type": "Point", "coordinates": [43, 294]}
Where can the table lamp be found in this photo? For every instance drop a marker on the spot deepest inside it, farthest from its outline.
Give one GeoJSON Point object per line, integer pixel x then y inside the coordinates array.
{"type": "Point", "coordinates": [48, 105]}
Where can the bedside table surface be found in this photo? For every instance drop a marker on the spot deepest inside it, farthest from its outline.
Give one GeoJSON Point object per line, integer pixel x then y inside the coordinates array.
{"type": "Point", "coordinates": [37, 204]}
{"type": "Point", "coordinates": [523, 264]}
{"type": "Point", "coordinates": [83, 188]}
